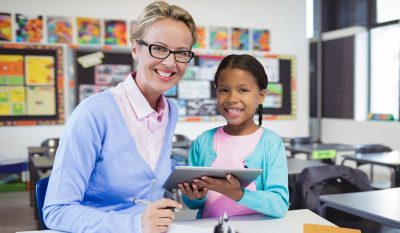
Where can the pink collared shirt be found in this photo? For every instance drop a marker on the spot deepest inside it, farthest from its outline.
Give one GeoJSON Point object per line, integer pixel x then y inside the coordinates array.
{"type": "Point", "coordinates": [146, 125]}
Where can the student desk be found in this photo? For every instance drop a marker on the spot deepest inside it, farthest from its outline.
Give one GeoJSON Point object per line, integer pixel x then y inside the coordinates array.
{"type": "Point", "coordinates": [387, 159]}
{"type": "Point", "coordinates": [296, 166]}
{"type": "Point", "coordinates": [310, 148]}
{"type": "Point", "coordinates": [292, 223]}
{"type": "Point", "coordinates": [382, 206]}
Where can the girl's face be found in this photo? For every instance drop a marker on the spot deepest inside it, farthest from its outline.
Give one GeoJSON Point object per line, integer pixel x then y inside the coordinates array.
{"type": "Point", "coordinates": [155, 76]}
{"type": "Point", "coordinates": [238, 96]}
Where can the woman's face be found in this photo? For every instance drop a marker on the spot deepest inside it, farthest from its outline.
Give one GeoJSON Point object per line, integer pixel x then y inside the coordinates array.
{"type": "Point", "coordinates": [155, 76]}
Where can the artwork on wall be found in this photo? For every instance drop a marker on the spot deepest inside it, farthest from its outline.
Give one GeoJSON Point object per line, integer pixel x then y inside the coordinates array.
{"type": "Point", "coordinates": [261, 40]}
{"type": "Point", "coordinates": [113, 68]}
{"type": "Point", "coordinates": [59, 30]}
{"type": "Point", "coordinates": [115, 32]}
{"type": "Point", "coordinates": [29, 28]}
{"type": "Point", "coordinates": [201, 38]}
{"type": "Point", "coordinates": [5, 27]}
{"type": "Point", "coordinates": [240, 39]}
{"type": "Point", "coordinates": [31, 84]}
{"type": "Point", "coordinates": [218, 38]}
{"type": "Point", "coordinates": [88, 31]}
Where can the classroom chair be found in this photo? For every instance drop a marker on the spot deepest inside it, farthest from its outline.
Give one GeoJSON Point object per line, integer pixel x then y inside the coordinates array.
{"type": "Point", "coordinates": [40, 191]}
{"type": "Point", "coordinates": [51, 144]}
{"type": "Point", "coordinates": [371, 148]}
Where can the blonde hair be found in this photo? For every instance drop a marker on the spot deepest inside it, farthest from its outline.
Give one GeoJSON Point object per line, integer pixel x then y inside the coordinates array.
{"type": "Point", "coordinates": [160, 10]}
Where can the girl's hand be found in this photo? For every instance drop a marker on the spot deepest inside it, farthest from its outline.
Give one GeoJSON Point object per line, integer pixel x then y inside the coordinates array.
{"type": "Point", "coordinates": [156, 218]}
{"type": "Point", "coordinates": [229, 187]}
{"type": "Point", "coordinates": [192, 191]}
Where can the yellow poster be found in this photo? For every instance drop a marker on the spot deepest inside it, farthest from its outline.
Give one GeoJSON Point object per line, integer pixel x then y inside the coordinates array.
{"type": "Point", "coordinates": [40, 70]}
{"type": "Point", "coordinates": [41, 100]}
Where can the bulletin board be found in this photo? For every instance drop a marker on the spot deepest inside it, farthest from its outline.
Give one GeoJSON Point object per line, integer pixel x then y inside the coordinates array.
{"type": "Point", "coordinates": [31, 84]}
{"type": "Point", "coordinates": [195, 94]}
{"type": "Point", "coordinates": [112, 67]}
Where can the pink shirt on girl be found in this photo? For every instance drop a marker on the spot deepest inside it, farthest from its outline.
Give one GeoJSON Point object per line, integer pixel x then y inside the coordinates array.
{"type": "Point", "coordinates": [231, 152]}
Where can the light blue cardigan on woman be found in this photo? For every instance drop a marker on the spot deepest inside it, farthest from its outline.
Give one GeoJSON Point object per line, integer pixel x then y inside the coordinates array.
{"type": "Point", "coordinates": [98, 170]}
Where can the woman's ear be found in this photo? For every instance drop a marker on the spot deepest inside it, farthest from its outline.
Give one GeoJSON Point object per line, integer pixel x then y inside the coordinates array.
{"type": "Point", "coordinates": [134, 50]}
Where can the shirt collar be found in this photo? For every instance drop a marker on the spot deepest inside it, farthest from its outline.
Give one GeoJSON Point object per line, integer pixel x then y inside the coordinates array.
{"type": "Point", "coordinates": [139, 103]}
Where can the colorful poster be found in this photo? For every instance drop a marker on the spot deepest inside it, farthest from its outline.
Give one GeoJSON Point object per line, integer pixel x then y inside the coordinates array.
{"type": "Point", "coordinates": [240, 39]}
{"type": "Point", "coordinates": [41, 100]}
{"type": "Point", "coordinates": [11, 69]}
{"type": "Point", "coordinates": [29, 28]}
{"type": "Point", "coordinates": [40, 70]}
{"type": "Point", "coordinates": [5, 27]}
{"type": "Point", "coordinates": [114, 32]}
{"type": "Point", "coordinates": [218, 38]}
{"type": "Point", "coordinates": [88, 30]}
{"type": "Point", "coordinates": [59, 30]}
{"type": "Point", "coordinates": [274, 96]}
{"type": "Point", "coordinates": [12, 100]}
{"type": "Point", "coordinates": [110, 74]}
{"type": "Point", "coordinates": [261, 40]}
{"type": "Point", "coordinates": [201, 38]}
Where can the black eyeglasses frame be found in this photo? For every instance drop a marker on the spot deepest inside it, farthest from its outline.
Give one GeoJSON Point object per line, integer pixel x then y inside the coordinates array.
{"type": "Point", "coordinates": [150, 46]}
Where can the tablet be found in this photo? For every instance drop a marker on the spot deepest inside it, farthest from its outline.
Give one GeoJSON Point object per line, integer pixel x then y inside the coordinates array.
{"type": "Point", "coordinates": [188, 173]}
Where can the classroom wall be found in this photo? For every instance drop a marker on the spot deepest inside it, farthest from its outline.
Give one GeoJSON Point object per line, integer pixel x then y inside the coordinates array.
{"type": "Point", "coordinates": [285, 19]}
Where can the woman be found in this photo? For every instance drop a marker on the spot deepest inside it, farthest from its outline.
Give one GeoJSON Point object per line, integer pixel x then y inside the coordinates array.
{"type": "Point", "coordinates": [116, 145]}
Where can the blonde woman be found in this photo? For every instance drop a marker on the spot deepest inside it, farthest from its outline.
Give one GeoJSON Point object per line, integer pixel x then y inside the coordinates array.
{"type": "Point", "coordinates": [116, 144]}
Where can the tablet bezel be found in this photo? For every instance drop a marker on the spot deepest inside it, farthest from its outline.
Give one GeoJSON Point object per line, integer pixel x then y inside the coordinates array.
{"type": "Point", "coordinates": [188, 173]}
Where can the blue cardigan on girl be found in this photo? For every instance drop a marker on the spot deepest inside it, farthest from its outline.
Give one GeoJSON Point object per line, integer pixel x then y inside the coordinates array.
{"type": "Point", "coordinates": [98, 170]}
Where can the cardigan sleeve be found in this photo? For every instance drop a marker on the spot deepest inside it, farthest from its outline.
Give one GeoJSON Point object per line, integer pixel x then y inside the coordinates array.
{"type": "Point", "coordinates": [75, 160]}
{"type": "Point", "coordinates": [194, 160]}
{"type": "Point", "coordinates": [273, 198]}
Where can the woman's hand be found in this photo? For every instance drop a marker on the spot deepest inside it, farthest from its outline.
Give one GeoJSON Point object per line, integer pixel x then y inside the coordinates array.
{"type": "Point", "coordinates": [229, 187]}
{"type": "Point", "coordinates": [157, 218]}
{"type": "Point", "coordinates": [192, 191]}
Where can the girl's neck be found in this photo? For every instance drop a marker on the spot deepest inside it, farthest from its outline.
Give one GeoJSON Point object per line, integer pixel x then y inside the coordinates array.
{"type": "Point", "coordinates": [240, 130]}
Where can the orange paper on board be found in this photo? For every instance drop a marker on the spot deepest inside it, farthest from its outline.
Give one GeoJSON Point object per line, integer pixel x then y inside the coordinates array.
{"type": "Point", "coordinates": [315, 228]}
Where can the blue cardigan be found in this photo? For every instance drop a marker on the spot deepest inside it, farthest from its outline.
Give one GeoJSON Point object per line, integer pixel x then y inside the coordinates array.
{"type": "Point", "coordinates": [98, 170]}
{"type": "Point", "coordinates": [272, 195]}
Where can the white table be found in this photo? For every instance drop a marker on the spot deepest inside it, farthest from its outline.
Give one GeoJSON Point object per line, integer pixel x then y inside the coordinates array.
{"type": "Point", "coordinates": [293, 222]}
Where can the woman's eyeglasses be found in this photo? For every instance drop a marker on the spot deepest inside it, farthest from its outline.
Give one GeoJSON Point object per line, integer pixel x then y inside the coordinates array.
{"type": "Point", "coordinates": [160, 52]}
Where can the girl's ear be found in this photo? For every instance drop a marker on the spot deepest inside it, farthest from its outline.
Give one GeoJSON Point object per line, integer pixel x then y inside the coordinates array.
{"type": "Point", "coordinates": [263, 93]}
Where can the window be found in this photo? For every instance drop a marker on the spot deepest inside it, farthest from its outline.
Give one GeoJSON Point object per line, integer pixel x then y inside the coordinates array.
{"type": "Point", "coordinates": [385, 66]}
{"type": "Point", "coordinates": [387, 10]}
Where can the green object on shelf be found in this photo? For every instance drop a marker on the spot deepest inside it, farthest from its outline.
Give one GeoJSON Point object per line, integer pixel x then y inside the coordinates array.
{"type": "Point", "coordinates": [13, 187]}
{"type": "Point", "coordinates": [324, 154]}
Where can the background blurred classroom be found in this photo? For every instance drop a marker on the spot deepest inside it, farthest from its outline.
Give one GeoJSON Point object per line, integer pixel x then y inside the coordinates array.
{"type": "Point", "coordinates": [334, 69]}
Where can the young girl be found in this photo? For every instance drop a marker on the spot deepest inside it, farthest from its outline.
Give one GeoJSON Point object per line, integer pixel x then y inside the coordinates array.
{"type": "Point", "coordinates": [241, 84]}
